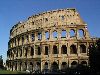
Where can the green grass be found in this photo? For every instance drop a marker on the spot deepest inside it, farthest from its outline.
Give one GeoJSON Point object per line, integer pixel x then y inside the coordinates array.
{"type": "Point", "coordinates": [11, 72]}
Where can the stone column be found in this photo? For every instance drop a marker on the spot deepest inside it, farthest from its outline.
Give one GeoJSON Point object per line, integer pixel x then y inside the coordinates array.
{"type": "Point", "coordinates": [11, 66]}
{"type": "Point", "coordinates": [68, 49]}
{"type": "Point", "coordinates": [18, 53]}
{"type": "Point", "coordinates": [21, 66]}
{"type": "Point", "coordinates": [28, 65]}
{"type": "Point", "coordinates": [59, 48]}
{"type": "Point", "coordinates": [43, 49]}
{"type": "Point", "coordinates": [20, 40]}
{"type": "Point", "coordinates": [69, 63]}
{"type": "Point", "coordinates": [59, 65]}
{"type": "Point", "coordinates": [7, 66]}
{"type": "Point", "coordinates": [42, 65]}
{"type": "Point", "coordinates": [87, 50]}
{"type": "Point", "coordinates": [25, 39]}
{"type": "Point", "coordinates": [59, 33]}
{"type": "Point", "coordinates": [50, 33]}
{"type": "Point", "coordinates": [43, 35]}
{"type": "Point", "coordinates": [22, 51]}
{"type": "Point", "coordinates": [86, 33]}
{"type": "Point", "coordinates": [30, 39]}
{"type": "Point", "coordinates": [28, 52]}
{"type": "Point", "coordinates": [68, 34]}
{"type": "Point", "coordinates": [77, 34]}
{"type": "Point", "coordinates": [50, 50]}
{"type": "Point", "coordinates": [36, 36]}
{"type": "Point", "coordinates": [18, 66]}
{"type": "Point", "coordinates": [34, 51]}
{"type": "Point", "coordinates": [78, 49]}
{"type": "Point", "coordinates": [49, 65]}
{"type": "Point", "coordinates": [16, 41]}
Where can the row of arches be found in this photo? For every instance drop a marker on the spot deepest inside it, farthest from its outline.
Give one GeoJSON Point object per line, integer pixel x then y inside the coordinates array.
{"type": "Point", "coordinates": [55, 34]}
{"type": "Point", "coordinates": [73, 49]}
{"type": "Point", "coordinates": [30, 51]}
{"type": "Point", "coordinates": [64, 33]}
{"type": "Point", "coordinates": [54, 66]}
{"type": "Point", "coordinates": [39, 36]}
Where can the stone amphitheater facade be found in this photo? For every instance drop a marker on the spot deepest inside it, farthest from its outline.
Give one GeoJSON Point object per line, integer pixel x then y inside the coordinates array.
{"type": "Point", "coordinates": [54, 39]}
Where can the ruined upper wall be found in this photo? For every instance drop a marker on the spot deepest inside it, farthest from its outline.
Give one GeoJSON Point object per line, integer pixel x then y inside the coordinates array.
{"type": "Point", "coordinates": [48, 19]}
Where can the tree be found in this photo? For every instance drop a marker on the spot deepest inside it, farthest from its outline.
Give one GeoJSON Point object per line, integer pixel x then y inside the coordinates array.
{"type": "Point", "coordinates": [1, 62]}
{"type": "Point", "coordinates": [94, 56]}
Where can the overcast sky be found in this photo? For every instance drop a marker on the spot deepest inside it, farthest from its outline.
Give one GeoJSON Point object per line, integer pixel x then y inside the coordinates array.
{"type": "Point", "coordinates": [13, 11]}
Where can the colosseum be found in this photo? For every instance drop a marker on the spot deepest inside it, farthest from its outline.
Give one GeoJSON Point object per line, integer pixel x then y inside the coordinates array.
{"type": "Point", "coordinates": [51, 40]}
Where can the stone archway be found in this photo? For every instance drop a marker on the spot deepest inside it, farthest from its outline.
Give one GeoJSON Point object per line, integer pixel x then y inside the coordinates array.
{"type": "Point", "coordinates": [63, 49]}
{"type": "Point", "coordinates": [74, 64]}
{"type": "Point", "coordinates": [38, 66]}
{"type": "Point", "coordinates": [63, 66]}
{"type": "Point", "coordinates": [54, 66]}
{"type": "Point", "coordinates": [84, 63]}
{"type": "Point", "coordinates": [73, 49]}
{"type": "Point", "coordinates": [46, 65]}
{"type": "Point", "coordinates": [82, 48]}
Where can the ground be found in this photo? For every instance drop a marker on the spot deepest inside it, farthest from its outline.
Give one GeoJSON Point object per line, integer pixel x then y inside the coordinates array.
{"type": "Point", "coordinates": [11, 72]}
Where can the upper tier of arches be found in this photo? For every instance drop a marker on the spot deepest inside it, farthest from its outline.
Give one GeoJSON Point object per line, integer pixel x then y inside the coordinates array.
{"type": "Point", "coordinates": [48, 19]}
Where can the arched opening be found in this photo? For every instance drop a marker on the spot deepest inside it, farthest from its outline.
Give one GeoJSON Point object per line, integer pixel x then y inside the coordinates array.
{"type": "Point", "coordinates": [54, 66]}
{"type": "Point", "coordinates": [46, 65]}
{"type": "Point", "coordinates": [27, 38]}
{"type": "Point", "coordinates": [10, 65]}
{"type": "Point", "coordinates": [22, 40]}
{"type": "Point", "coordinates": [25, 66]}
{"type": "Point", "coordinates": [17, 53]}
{"type": "Point", "coordinates": [46, 19]}
{"type": "Point", "coordinates": [38, 66]}
{"type": "Point", "coordinates": [55, 34]}
{"type": "Point", "coordinates": [32, 51]}
{"type": "Point", "coordinates": [18, 40]}
{"type": "Point", "coordinates": [62, 17]}
{"type": "Point", "coordinates": [63, 34]}
{"type": "Point", "coordinates": [72, 33]}
{"type": "Point", "coordinates": [74, 64]}
{"type": "Point", "coordinates": [31, 66]}
{"type": "Point", "coordinates": [55, 50]}
{"type": "Point", "coordinates": [84, 63]}
{"type": "Point", "coordinates": [63, 49]}
{"type": "Point", "coordinates": [32, 37]}
{"type": "Point", "coordinates": [82, 48]}
{"type": "Point", "coordinates": [16, 66]}
{"type": "Point", "coordinates": [81, 33]}
{"type": "Point", "coordinates": [39, 36]}
{"type": "Point", "coordinates": [26, 52]}
{"type": "Point", "coordinates": [15, 41]}
{"type": "Point", "coordinates": [47, 35]}
{"type": "Point", "coordinates": [64, 66]}
{"type": "Point", "coordinates": [73, 49]}
{"type": "Point", "coordinates": [39, 50]}
{"type": "Point", "coordinates": [20, 52]}
{"type": "Point", "coordinates": [46, 50]}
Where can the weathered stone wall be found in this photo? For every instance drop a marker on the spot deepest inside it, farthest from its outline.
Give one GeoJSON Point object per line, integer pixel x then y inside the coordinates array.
{"type": "Point", "coordinates": [45, 41]}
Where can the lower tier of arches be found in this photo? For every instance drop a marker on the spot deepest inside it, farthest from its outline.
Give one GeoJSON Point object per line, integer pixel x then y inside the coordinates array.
{"type": "Point", "coordinates": [41, 64]}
